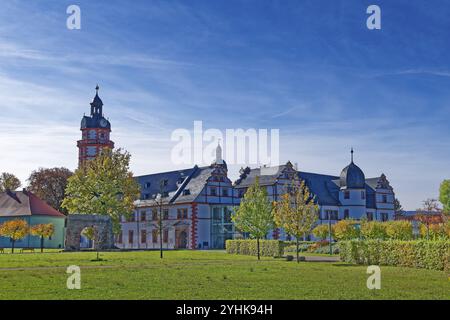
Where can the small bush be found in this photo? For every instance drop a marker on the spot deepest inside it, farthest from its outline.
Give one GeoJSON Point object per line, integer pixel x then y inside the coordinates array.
{"type": "Point", "coordinates": [268, 248]}
{"type": "Point", "coordinates": [417, 254]}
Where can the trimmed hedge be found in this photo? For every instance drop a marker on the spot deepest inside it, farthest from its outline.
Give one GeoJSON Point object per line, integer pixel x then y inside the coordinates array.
{"type": "Point", "coordinates": [417, 254]}
{"type": "Point", "coordinates": [268, 248]}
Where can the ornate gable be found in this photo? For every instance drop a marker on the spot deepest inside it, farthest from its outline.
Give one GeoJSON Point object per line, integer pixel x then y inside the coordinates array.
{"type": "Point", "coordinates": [383, 183]}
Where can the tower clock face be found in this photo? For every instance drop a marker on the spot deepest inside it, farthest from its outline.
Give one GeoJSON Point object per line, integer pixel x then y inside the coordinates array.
{"type": "Point", "coordinates": [103, 123]}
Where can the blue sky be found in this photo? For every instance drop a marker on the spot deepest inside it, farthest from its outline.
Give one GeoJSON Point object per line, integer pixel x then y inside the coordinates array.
{"type": "Point", "coordinates": [309, 68]}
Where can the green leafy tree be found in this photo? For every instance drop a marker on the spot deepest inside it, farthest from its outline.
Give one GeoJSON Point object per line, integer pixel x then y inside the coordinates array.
{"type": "Point", "coordinates": [103, 186]}
{"type": "Point", "coordinates": [373, 230]}
{"type": "Point", "coordinates": [254, 214]}
{"type": "Point", "coordinates": [444, 195]}
{"type": "Point", "coordinates": [50, 185]}
{"type": "Point", "coordinates": [346, 230]}
{"type": "Point", "coordinates": [8, 181]}
{"type": "Point", "coordinates": [296, 212]}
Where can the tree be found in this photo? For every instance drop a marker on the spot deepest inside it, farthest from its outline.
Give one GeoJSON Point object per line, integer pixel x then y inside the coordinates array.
{"type": "Point", "coordinates": [444, 195]}
{"type": "Point", "coordinates": [92, 234]}
{"type": "Point", "coordinates": [373, 230]}
{"type": "Point", "coordinates": [103, 186]}
{"type": "Point", "coordinates": [429, 214]}
{"type": "Point", "coordinates": [321, 231]}
{"type": "Point", "coordinates": [50, 185]}
{"type": "Point", "coordinates": [296, 212]}
{"type": "Point", "coordinates": [399, 230]}
{"type": "Point", "coordinates": [14, 230]}
{"type": "Point", "coordinates": [43, 231]}
{"type": "Point", "coordinates": [8, 181]}
{"type": "Point", "coordinates": [254, 214]}
{"type": "Point", "coordinates": [346, 230]}
{"type": "Point", "coordinates": [398, 209]}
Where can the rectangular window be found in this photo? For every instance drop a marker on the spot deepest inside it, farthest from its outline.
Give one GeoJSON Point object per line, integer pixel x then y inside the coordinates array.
{"type": "Point", "coordinates": [384, 216]}
{"type": "Point", "coordinates": [154, 236]}
{"type": "Point", "coordinates": [384, 198]}
{"type": "Point", "coordinates": [182, 213]}
{"type": "Point", "coordinates": [213, 191]}
{"type": "Point", "coordinates": [143, 216]}
{"type": "Point", "coordinates": [166, 214]}
{"type": "Point", "coordinates": [346, 214]}
{"type": "Point", "coordinates": [130, 236]}
{"type": "Point", "coordinates": [346, 194]}
{"type": "Point", "coordinates": [166, 236]}
{"type": "Point", "coordinates": [143, 236]}
{"type": "Point", "coordinates": [363, 195]}
{"type": "Point", "coordinates": [132, 218]}
{"type": "Point", "coordinates": [369, 216]}
{"type": "Point", "coordinates": [154, 214]}
{"type": "Point", "coordinates": [225, 192]}
{"type": "Point", "coordinates": [119, 237]}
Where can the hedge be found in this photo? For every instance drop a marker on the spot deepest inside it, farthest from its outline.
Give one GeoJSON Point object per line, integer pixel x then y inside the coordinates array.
{"type": "Point", "coordinates": [268, 248]}
{"type": "Point", "coordinates": [417, 254]}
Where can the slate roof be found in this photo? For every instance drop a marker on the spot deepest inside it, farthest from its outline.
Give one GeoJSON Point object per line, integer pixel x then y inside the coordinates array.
{"type": "Point", "coordinates": [269, 176]}
{"type": "Point", "coordinates": [324, 187]}
{"type": "Point", "coordinates": [25, 203]}
{"type": "Point", "coordinates": [178, 182]}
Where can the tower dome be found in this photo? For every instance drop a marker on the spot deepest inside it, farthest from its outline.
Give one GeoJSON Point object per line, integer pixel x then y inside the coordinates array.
{"type": "Point", "coordinates": [352, 177]}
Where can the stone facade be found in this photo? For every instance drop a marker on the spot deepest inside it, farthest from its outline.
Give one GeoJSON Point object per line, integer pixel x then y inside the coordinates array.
{"type": "Point", "coordinates": [102, 225]}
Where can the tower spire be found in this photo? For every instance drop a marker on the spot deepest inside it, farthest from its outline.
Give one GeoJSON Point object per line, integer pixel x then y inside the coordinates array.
{"type": "Point", "coordinates": [219, 159]}
{"type": "Point", "coordinates": [352, 153]}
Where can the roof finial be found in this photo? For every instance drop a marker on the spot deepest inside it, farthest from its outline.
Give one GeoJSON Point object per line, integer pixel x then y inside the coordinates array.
{"type": "Point", "coordinates": [352, 154]}
{"type": "Point", "coordinates": [96, 88]}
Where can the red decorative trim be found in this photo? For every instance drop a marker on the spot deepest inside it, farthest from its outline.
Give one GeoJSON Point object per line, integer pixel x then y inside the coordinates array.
{"type": "Point", "coordinates": [194, 221]}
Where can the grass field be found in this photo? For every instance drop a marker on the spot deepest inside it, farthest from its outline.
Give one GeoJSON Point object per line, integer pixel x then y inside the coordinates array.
{"type": "Point", "coordinates": [205, 275]}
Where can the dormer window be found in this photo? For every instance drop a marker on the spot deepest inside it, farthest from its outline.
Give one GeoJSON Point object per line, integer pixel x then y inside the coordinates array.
{"type": "Point", "coordinates": [186, 192]}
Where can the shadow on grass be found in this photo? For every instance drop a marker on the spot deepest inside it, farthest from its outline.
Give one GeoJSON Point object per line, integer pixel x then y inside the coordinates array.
{"type": "Point", "coordinates": [345, 265]}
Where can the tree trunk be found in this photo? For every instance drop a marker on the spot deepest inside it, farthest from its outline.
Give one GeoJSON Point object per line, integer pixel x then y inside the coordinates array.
{"type": "Point", "coordinates": [298, 245]}
{"type": "Point", "coordinates": [12, 246]}
{"type": "Point", "coordinates": [257, 247]}
{"type": "Point", "coordinates": [42, 244]}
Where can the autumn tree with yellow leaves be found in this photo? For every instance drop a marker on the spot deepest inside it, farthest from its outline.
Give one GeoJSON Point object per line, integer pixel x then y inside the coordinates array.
{"type": "Point", "coordinates": [14, 230]}
{"type": "Point", "coordinates": [297, 211]}
{"type": "Point", "coordinates": [43, 230]}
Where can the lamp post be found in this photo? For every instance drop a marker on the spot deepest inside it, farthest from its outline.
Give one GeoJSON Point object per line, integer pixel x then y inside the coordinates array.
{"type": "Point", "coordinates": [329, 232]}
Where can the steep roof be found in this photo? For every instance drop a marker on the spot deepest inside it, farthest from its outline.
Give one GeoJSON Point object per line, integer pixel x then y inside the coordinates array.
{"type": "Point", "coordinates": [25, 203]}
{"type": "Point", "coordinates": [324, 187]}
{"type": "Point", "coordinates": [181, 185]}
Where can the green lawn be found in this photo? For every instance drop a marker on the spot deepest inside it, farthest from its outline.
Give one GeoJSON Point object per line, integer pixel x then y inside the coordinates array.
{"type": "Point", "coordinates": [205, 275]}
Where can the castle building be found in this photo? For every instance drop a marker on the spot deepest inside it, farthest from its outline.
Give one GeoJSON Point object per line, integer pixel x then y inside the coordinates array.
{"type": "Point", "coordinates": [196, 205]}
{"type": "Point", "coordinates": [95, 132]}
{"type": "Point", "coordinates": [348, 196]}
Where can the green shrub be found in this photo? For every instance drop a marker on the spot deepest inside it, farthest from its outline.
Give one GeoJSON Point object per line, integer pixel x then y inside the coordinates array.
{"type": "Point", "coordinates": [268, 248]}
{"type": "Point", "coordinates": [418, 254]}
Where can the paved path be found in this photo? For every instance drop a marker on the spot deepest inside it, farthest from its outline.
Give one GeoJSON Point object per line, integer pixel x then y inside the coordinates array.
{"type": "Point", "coordinates": [322, 259]}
